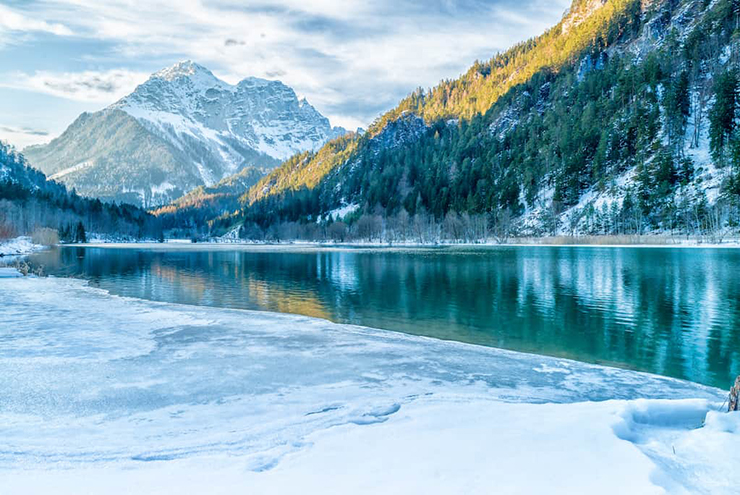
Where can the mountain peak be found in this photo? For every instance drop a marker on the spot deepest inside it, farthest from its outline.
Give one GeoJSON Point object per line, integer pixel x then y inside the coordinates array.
{"type": "Point", "coordinates": [579, 11]}
{"type": "Point", "coordinates": [184, 68]}
{"type": "Point", "coordinates": [257, 82]}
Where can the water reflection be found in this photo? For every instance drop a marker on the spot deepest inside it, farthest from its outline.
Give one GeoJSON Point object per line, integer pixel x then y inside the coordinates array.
{"type": "Point", "coordinates": [670, 311]}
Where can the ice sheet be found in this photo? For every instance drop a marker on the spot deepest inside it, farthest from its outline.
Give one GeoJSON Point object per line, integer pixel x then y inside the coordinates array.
{"type": "Point", "coordinates": [103, 393]}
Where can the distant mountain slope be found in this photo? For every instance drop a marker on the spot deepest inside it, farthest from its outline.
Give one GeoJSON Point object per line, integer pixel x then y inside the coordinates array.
{"type": "Point", "coordinates": [181, 129]}
{"type": "Point", "coordinates": [193, 211]}
{"type": "Point", "coordinates": [29, 201]}
{"type": "Point", "coordinates": [110, 155]}
{"type": "Point", "coordinates": [621, 119]}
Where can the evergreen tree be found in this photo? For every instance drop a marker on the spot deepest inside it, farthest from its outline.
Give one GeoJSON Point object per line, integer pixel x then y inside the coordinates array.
{"type": "Point", "coordinates": [80, 237]}
{"type": "Point", "coordinates": [677, 109]}
{"type": "Point", "coordinates": [723, 114]}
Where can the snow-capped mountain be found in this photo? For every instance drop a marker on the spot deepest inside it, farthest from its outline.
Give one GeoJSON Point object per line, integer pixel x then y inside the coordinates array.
{"type": "Point", "coordinates": [181, 129]}
{"type": "Point", "coordinates": [187, 102]}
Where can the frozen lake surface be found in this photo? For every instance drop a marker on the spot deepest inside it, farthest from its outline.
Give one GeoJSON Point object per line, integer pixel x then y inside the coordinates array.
{"type": "Point", "coordinates": [106, 394]}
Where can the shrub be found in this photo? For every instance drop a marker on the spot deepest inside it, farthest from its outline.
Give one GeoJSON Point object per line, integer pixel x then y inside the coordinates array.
{"type": "Point", "coordinates": [7, 231]}
{"type": "Point", "coordinates": [45, 237]}
{"type": "Point", "coordinates": [25, 269]}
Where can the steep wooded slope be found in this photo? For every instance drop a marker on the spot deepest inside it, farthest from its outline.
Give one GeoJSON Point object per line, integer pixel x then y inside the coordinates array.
{"type": "Point", "coordinates": [620, 119]}
{"type": "Point", "coordinates": [29, 201]}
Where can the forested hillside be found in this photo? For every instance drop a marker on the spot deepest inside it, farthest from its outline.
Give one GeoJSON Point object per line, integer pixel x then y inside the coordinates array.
{"type": "Point", "coordinates": [622, 119]}
{"type": "Point", "coordinates": [29, 202]}
{"type": "Point", "coordinates": [190, 214]}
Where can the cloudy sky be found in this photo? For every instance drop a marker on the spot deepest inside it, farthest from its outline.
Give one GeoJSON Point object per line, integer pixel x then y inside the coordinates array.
{"type": "Point", "coordinates": [352, 59]}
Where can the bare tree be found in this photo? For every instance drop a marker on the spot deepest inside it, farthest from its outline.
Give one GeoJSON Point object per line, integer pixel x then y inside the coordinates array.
{"type": "Point", "coordinates": [337, 231]}
{"type": "Point", "coordinates": [370, 227]}
{"type": "Point", "coordinates": [476, 227]}
{"type": "Point", "coordinates": [502, 225]}
{"type": "Point", "coordinates": [574, 220]}
{"type": "Point", "coordinates": [717, 218]}
{"type": "Point", "coordinates": [425, 228]}
{"type": "Point", "coordinates": [452, 226]}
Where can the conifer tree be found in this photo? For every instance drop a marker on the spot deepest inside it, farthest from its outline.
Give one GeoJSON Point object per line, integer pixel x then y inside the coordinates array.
{"type": "Point", "coordinates": [80, 235]}
{"type": "Point", "coordinates": [723, 114]}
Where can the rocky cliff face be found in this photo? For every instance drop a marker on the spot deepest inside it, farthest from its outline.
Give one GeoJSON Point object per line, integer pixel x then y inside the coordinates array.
{"type": "Point", "coordinates": [181, 129]}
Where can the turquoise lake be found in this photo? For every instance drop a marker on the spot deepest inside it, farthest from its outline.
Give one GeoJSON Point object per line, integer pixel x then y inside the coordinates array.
{"type": "Point", "coordinates": [670, 311]}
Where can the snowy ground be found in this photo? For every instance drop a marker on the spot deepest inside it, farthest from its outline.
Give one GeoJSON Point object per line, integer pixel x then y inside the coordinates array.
{"type": "Point", "coordinates": [18, 247]}
{"type": "Point", "coordinates": [103, 394]}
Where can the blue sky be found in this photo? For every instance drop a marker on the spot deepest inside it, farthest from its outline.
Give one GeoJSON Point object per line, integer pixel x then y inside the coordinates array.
{"type": "Point", "coordinates": [352, 59]}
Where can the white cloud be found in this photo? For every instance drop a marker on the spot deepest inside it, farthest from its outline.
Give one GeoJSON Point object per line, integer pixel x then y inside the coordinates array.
{"type": "Point", "coordinates": [11, 20]}
{"type": "Point", "coordinates": [23, 136]}
{"type": "Point", "coordinates": [90, 86]}
{"type": "Point", "coordinates": [352, 59]}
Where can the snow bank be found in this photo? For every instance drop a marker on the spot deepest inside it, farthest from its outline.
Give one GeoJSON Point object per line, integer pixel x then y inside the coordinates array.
{"type": "Point", "coordinates": [104, 394]}
{"type": "Point", "coordinates": [6, 272]}
{"type": "Point", "coordinates": [18, 246]}
{"type": "Point", "coordinates": [341, 212]}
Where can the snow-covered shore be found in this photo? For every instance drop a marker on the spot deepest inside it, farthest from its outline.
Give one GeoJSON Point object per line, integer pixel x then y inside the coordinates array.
{"type": "Point", "coordinates": [19, 246]}
{"type": "Point", "coordinates": [103, 394]}
{"type": "Point", "coordinates": [559, 241]}
{"type": "Point", "coordinates": [186, 245]}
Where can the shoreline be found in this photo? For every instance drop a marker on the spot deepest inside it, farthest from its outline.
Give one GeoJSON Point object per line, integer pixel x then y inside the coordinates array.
{"type": "Point", "coordinates": [177, 244]}
{"type": "Point", "coordinates": [10, 272]}
{"type": "Point", "coordinates": [13, 272]}
{"type": "Point", "coordinates": [18, 247]}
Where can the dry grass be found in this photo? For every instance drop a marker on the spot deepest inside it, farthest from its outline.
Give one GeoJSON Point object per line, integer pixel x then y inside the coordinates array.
{"type": "Point", "coordinates": [45, 237]}
{"type": "Point", "coordinates": [613, 240]}
{"type": "Point", "coordinates": [25, 269]}
{"type": "Point", "coordinates": [7, 231]}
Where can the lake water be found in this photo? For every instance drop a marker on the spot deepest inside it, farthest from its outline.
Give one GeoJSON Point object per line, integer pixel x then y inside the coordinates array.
{"type": "Point", "coordinates": [670, 311]}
